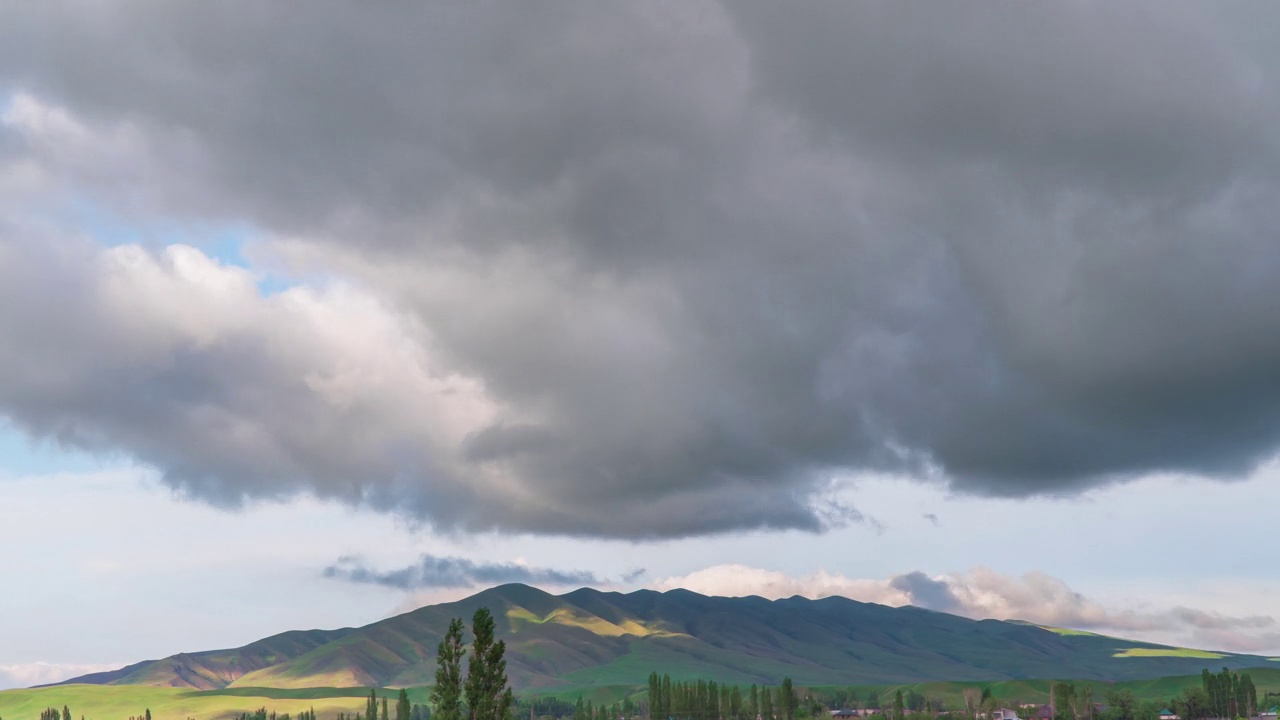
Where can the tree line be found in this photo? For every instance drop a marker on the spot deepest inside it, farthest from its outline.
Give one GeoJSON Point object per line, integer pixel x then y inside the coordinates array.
{"type": "Point", "coordinates": [706, 700]}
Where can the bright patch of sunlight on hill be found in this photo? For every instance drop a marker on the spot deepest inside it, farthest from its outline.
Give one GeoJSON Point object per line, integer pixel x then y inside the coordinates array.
{"type": "Point", "coordinates": [1169, 652]}
{"type": "Point", "coordinates": [593, 623]}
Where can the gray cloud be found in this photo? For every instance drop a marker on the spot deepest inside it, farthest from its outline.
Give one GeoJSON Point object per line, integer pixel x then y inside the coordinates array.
{"type": "Point", "coordinates": [1215, 621]}
{"type": "Point", "coordinates": [932, 518]}
{"type": "Point", "coordinates": [646, 271]}
{"type": "Point", "coordinates": [451, 572]}
{"type": "Point", "coordinates": [926, 592]}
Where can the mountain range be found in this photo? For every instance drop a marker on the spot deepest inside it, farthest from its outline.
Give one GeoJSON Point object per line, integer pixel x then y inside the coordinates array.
{"type": "Point", "coordinates": [589, 637]}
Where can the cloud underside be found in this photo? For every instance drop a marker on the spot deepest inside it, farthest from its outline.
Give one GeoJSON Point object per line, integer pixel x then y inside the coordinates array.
{"type": "Point", "coordinates": [983, 593]}
{"type": "Point", "coordinates": [435, 572]}
{"type": "Point", "coordinates": [640, 271]}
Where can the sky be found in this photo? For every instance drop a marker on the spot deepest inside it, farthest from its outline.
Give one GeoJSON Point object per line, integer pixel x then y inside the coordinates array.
{"type": "Point", "coordinates": [310, 318]}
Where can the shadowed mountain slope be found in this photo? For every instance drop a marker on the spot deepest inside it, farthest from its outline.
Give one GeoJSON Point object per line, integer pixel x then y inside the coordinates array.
{"type": "Point", "coordinates": [588, 637]}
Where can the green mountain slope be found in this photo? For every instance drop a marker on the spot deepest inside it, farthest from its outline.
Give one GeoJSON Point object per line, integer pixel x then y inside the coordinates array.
{"type": "Point", "coordinates": [588, 637]}
{"type": "Point", "coordinates": [216, 668]}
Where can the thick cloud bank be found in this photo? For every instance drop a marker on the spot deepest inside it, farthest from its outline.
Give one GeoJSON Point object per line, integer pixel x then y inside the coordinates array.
{"type": "Point", "coordinates": [641, 270]}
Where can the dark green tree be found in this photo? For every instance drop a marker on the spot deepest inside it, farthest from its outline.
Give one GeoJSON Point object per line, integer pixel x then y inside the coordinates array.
{"type": "Point", "coordinates": [790, 701]}
{"type": "Point", "coordinates": [1064, 701]}
{"type": "Point", "coordinates": [1192, 704]}
{"type": "Point", "coordinates": [403, 708]}
{"type": "Point", "coordinates": [487, 694]}
{"type": "Point", "coordinates": [1123, 705]}
{"type": "Point", "coordinates": [371, 706]}
{"type": "Point", "coordinates": [446, 696]}
{"type": "Point", "coordinates": [898, 706]}
{"type": "Point", "coordinates": [655, 696]}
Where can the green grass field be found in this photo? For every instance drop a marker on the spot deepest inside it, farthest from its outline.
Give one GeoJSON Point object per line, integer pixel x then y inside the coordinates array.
{"type": "Point", "coordinates": [107, 702]}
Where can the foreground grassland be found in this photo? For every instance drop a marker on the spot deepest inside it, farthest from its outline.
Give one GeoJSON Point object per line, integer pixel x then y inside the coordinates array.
{"type": "Point", "coordinates": [106, 702]}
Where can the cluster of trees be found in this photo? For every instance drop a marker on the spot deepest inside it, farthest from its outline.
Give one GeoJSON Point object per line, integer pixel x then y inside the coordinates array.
{"type": "Point", "coordinates": [915, 703]}
{"type": "Point", "coordinates": [539, 706]}
{"type": "Point", "coordinates": [375, 709]}
{"type": "Point", "coordinates": [1222, 695]}
{"type": "Point", "coordinates": [1229, 694]}
{"type": "Point", "coordinates": [262, 714]}
{"type": "Point", "coordinates": [53, 714]}
{"type": "Point", "coordinates": [581, 711]}
{"type": "Point", "coordinates": [483, 694]}
{"type": "Point", "coordinates": [1074, 703]}
{"type": "Point", "coordinates": [705, 700]}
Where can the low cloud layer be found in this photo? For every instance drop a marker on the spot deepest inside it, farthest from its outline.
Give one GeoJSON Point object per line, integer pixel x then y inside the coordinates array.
{"type": "Point", "coordinates": [641, 271]}
{"type": "Point", "coordinates": [983, 593]}
{"type": "Point", "coordinates": [42, 673]}
{"type": "Point", "coordinates": [432, 572]}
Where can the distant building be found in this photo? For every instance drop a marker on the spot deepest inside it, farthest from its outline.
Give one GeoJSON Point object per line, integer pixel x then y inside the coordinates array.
{"type": "Point", "coordinates": [1167, 714]}
{"type": "Point", "coordinates": [1005, 714]}
{"type": "Point", "coordinates": [844, 714]}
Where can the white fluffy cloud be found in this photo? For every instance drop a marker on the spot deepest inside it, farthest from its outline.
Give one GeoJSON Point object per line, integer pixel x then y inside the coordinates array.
{"type": "Point", "coordinates": [984, 593]}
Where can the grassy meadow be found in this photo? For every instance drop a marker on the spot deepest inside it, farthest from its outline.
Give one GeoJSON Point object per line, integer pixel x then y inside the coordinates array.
{"type": "Point", "coordinates": [118, 702]}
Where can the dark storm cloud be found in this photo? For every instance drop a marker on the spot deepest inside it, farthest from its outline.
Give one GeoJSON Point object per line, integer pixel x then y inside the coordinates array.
{"type": "Point", "coordinates": [450, 572]}
{"type": "Point", "coordinates": [654, 270]}
{"type": "Point", "coordinates": [926, 592]}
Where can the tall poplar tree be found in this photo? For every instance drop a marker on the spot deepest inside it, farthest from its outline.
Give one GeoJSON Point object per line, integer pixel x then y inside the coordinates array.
{"type": "Point", "coordinates": [446, 696]}
{"type": "Point", "coordinates": [666, 696]}
{"type": "Point", "coordinates": [655, 696]}
{"type": "Point", "coordinates": [403, 708]}
{"type": "Point", "coordinates": [487, 694]}
{"type": "Point", "coordinates": [788, 699]}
